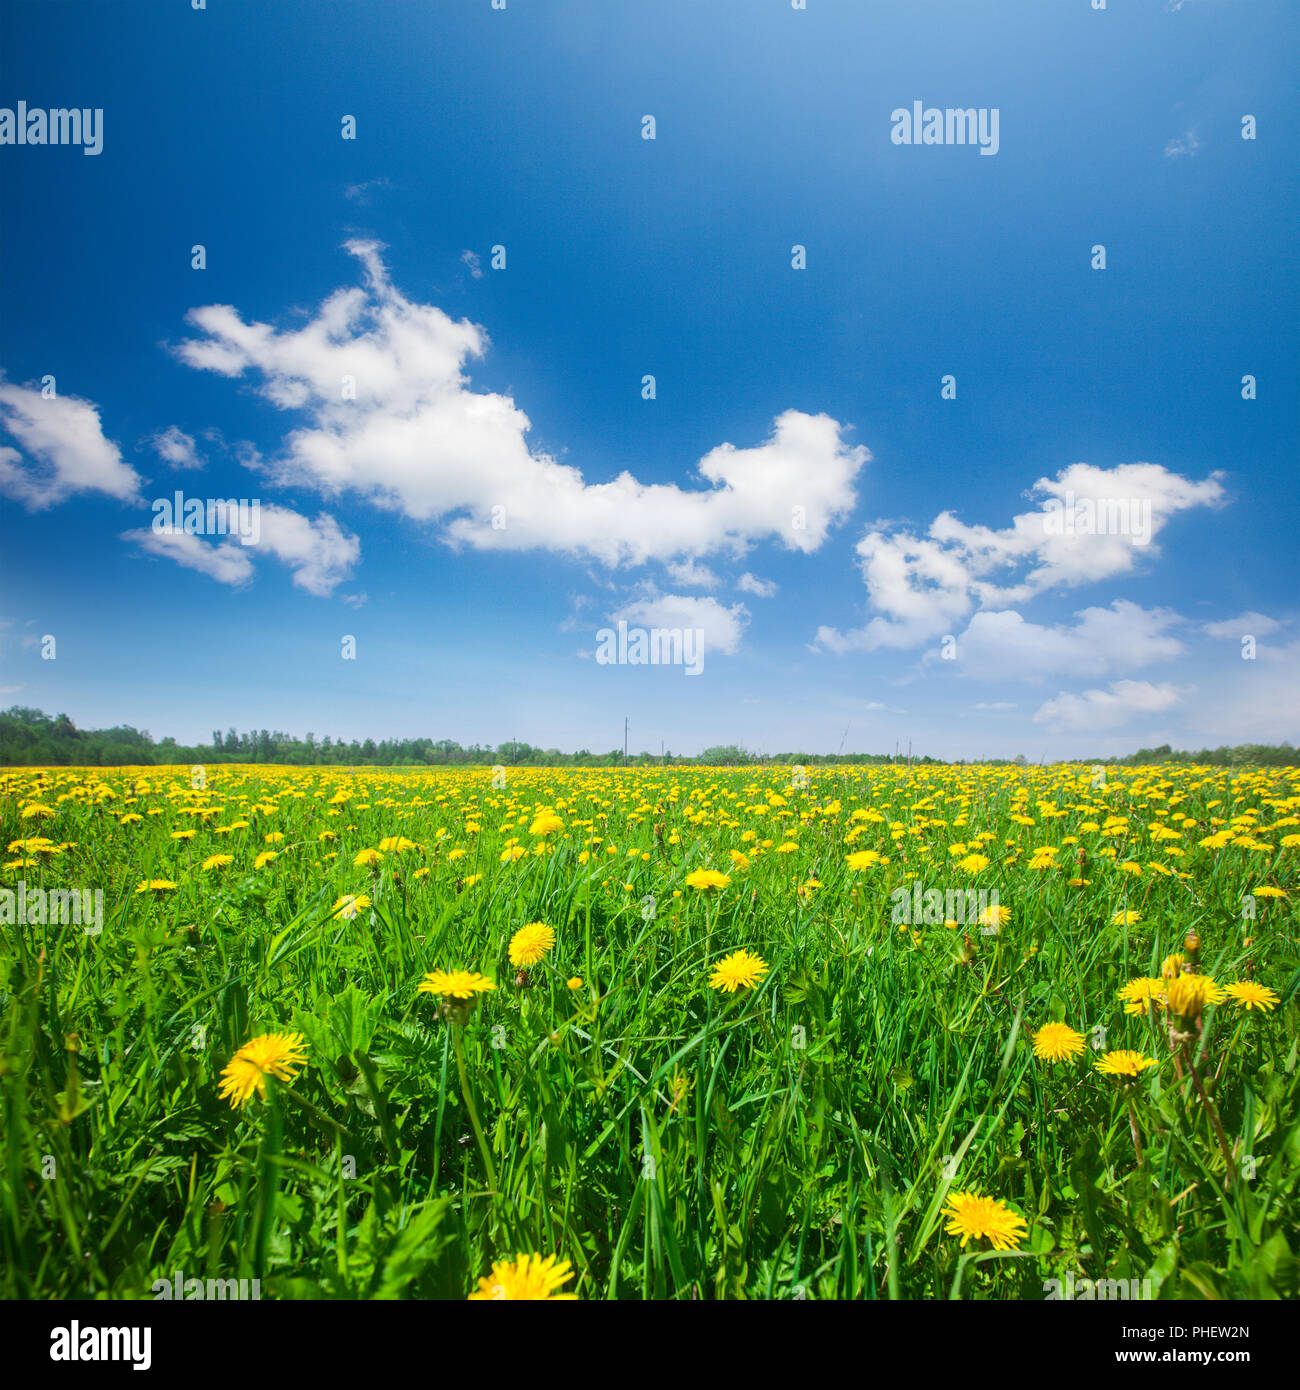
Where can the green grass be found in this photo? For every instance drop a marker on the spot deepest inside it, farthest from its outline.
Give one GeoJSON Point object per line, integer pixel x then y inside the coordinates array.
{"type": "Point", "coordinates": [672, 1141]}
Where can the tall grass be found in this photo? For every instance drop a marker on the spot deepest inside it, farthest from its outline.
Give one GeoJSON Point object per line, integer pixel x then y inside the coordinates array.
{"type": "Point", "coordinates": [794, 1140]}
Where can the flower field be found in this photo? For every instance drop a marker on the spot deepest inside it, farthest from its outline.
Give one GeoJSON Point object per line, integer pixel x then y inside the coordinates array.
{"type": "Point", "coordinates": [767, 1033]}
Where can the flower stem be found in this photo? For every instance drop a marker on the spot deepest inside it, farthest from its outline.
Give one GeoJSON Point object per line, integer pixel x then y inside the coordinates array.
{"type": "Point", "coordinates": [1212, 1111]}
{"type": "Point", "coordinates": [1136, 1129]}
{"type": "Point", "coordinates": [469, 1105]}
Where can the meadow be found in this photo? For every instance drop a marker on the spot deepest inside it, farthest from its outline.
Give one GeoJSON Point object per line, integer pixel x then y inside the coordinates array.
{"type": "Point", "coordinates": [651, 1033]}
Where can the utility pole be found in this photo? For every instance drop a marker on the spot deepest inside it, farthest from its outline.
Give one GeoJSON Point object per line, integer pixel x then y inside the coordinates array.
{"type": "Point", "coordinates": [625, 740]}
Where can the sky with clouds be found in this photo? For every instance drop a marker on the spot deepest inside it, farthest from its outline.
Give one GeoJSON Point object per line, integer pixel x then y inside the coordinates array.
{"type": "Point", "coordinates": [917, 465]}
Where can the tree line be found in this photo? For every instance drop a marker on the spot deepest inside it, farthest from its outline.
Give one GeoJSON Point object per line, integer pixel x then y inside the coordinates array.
{"type": "Point", "coordinates": [32, 738]}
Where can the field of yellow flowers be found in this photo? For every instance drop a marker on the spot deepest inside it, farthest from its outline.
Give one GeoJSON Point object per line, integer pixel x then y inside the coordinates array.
{"type": "Point", "coordinates": [774, 1032]}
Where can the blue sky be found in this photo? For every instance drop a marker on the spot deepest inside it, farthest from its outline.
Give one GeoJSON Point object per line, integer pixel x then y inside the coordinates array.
{"type": "Point", "coordinates": [521, 388]}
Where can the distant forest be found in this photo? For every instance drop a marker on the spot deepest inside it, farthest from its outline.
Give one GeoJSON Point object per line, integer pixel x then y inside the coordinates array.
{"type": "Point", "coordinates": [31, 738]}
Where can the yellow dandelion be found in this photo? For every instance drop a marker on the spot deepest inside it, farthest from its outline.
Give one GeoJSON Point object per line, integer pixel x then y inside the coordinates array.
{"type": "Point", "coordinates": [1057, 1042]}
{"type": "Point", "coordinates": [271, 1054]}
{"type": "Point", "coordinates": [366, 858]}
{"type": "Point", "coordinates": [349, 905]}
{"type": "Point", "coordinates": [546, 823]}
{"type": "Point", "coordinates": [706, 880]}
{"type": "Point", "coordinates": [527, 1276]}
{"type": "Point", "coordinates": [1120, 1062]}
{"type": "Point", "coordinates": [1252, 996]}
{"type": "Point", "coordinates": [1125, 919]}
{"type": "Point", "coordinates": [155, 885]}
{"type": "Point", "coordinates": [531, 944]}
{"type": "Point", "coordinates": [739, 970]}
{"type": "Point", "coordinates": [1139, 993]}
{"type": "Point", "coordinates": [973, 1217]}
{"type": "Point", "coordinates": [263, 859]}
{"type": "Point", "coordinates": [1187, 995]}
{"type": "Point", "coordinates": [455, 984]}
{"type": "Point", "coordinates": [217, 861]}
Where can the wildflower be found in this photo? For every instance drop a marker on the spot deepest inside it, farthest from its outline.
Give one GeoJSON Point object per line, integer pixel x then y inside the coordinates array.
{"type": "Point", "coordinates": [1252, 996]}
{"type": "Point", "coordinates": [574, 982]}
{"type": "Point", "coordinates": [217, 861]}
{"type": "Point", "coordinates": [706, 880]}
{"type": "Point", "coordinates": [1137, 994]}
{"type": "Point", "coordinates": [527, 1276]}
{"type": "Point", "coordinates": [995, 915]}
{"type": "Point", "coordinates": [546, 823]}
{"type": "Point", "coordinates": [740, 970]}
{"type": "Point", "coordinates": [271, 1054]}
{"type": "Point", "coordinates": [1057, 1042]}
{"type": "Point", "coordinates": [1125, 919]}
{"type": "Point", "coordinates": [155, 885]}
{"type": "Point", "coordinates": [973, 1217]}
{"type": "Point", "coordinates": [455, 984]}
{"type": "Point", "coordinates": [264, 858]}
{"type": "Point", "coordinates": [1122, 1063]}
{"type": "Point", "coordinates": [367, 858]}
{"type": "Point", "coordinates": [1187, 995]}
{"type": "Point", "coordinates": [531, 944]}
{"type": "Point", "coordinates": [349, 905]}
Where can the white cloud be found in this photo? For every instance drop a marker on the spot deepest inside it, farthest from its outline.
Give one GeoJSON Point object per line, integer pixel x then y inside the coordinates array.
{"type": "Point", "coordinates": [418, 439]}
{"type": "Point", "coordinates": [760, 588]}
{"type": "Point", "coordinates": [723, 627]}
{"type": "Point", "coordinates": [1093, 524]}
{"type": "Point", "coordinates": [1179, 146]}
{"type": "Point", "coordinates": [177, 448]}
{"type": "Point", "coordinates": [691, 574]}
{"type": "Point", "coordinates": [1095, 710]}
{"type": "Point", "coordinates": [1123, 637]}
{"type": "Point", "coordinates": [69, 453]}
{"type": "Point", "coordinates": [320, 554]}
{"type": "Point", "coordinates": [1249, 624]}
{"type": "Point", "coordinates": [996, 705]}
{"type": "Point", "coordinates": [471, 259]}
{"type": "Point", "coordinates": [228, 562]}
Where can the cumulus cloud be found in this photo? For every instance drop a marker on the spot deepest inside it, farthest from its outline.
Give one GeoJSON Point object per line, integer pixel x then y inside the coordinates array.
{"type": "Point", "coordinates": [1111, 708]}
{"type": "Point", "coordinates": [1249, 624]}
{"type": "Point", "coordinates": [722, 626]}
{"type": "Point", "coordinates": [390, 415]}
{"type": "Point", "coordinates": [691, 574]}
{"type": "Point", "coordinates": [1123, 637]}
{"type": "Point", "coordinates": [751, 584]}
{"type": "Point", "coordinates": [319, 553]}
{"type": "Point", "coordinates": [176, 448]}
{"type": "Point", "coordinates": [66, 451]}
{"type": "Point", "coordinates": [1092, 524]}
{"type": "Point", "coordinates": [228, 562]}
